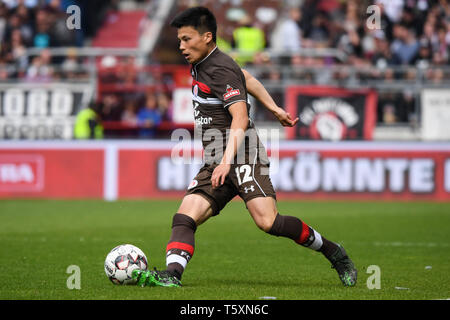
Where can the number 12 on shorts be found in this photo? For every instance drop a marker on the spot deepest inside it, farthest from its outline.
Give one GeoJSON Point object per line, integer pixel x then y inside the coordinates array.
{"type": "Point", "coordinates": [247, 171]}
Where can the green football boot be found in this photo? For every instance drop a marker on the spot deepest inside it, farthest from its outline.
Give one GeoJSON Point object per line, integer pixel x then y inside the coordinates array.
{"type": "Point", "coordinates": [143, 278]}
{"type": "Point", "coordinates": [344, 267]}
{"type": "Point", "coordinates": [155, 278]}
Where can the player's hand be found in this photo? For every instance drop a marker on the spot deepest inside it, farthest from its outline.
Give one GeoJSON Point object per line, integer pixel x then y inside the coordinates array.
{"type": "Point", "coordinates": [285, 118]}
{"type": "Point", "coordinates": [219, 174]}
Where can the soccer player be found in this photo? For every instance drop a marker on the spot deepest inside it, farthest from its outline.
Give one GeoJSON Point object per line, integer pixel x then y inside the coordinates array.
{"type": "Point", "coordinates": [235, 160]}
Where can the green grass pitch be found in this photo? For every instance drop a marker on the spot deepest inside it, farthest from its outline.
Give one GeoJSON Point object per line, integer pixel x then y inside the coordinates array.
{"type": "Point", "coordinates": [233, 260]}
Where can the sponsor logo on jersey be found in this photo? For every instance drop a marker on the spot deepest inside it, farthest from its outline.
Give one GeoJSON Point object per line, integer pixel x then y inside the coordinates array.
{"type": "Point", "coordinates": [203, 120]}
{"type": "Point", "coordinates": [199, 119]}
{"type": "Point", "coordinates": [231, 93]}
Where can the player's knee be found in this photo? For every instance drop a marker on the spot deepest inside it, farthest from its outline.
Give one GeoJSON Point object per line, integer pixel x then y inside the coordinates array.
{"type": "Point", "coordinates": [263, 212]}
{"type": "Point", "coordinates": [265, 223]}
{"type": "Point", "coordinates": [196, 207]}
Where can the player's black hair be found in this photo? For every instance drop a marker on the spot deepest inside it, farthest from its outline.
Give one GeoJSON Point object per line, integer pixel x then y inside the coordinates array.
{"type": "Point", "coordinates": [200, 18]}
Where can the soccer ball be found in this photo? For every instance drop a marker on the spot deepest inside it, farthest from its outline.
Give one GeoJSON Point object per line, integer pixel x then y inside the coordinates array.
{"type": "Point", "coordinates": [122, 260]}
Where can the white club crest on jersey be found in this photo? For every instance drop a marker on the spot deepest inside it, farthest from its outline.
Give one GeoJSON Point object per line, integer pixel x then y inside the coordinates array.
{"type": "Point", "coordinates": [193, 184]}
{"type": "Point", "coordinates": [195, 90]}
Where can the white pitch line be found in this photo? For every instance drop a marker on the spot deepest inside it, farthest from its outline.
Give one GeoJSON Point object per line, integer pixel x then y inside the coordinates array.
{"type": "Point", "coordinates": [411, 244]}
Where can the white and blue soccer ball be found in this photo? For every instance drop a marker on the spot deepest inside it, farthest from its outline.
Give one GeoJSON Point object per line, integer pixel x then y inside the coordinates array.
{"type": "Point", "coordinates": [122, 260]}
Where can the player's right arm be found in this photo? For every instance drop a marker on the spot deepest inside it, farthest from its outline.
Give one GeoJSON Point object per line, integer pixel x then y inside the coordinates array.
{"type": "Point", "coordinates": [257, 90]}
{"type": "Point", "coordinates": [238, 111]}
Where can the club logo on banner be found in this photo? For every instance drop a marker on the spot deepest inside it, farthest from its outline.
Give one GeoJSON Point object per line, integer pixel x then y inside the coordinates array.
{"type": "Point", "coordinates": [331, 114]}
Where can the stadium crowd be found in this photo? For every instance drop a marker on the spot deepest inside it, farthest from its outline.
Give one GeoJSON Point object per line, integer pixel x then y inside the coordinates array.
{"type": "Point", "coordinates": [407, 43]}
{"type": "Point", "coordinates": [42, 24]}
{"type": "Point", "coordinates": [411, 44]}
{"type": "Point", "coordinates": [410, 32]}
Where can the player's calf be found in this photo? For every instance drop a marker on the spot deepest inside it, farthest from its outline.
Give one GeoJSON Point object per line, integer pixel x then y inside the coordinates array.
{"type": "Point", "coordinates": [180, 248]}
{"type": "Point", "coordinates": [301, 233]}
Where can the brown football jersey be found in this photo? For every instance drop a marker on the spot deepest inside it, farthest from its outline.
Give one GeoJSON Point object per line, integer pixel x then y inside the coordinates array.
{"type": "Point", "coordinates": [218, 82]}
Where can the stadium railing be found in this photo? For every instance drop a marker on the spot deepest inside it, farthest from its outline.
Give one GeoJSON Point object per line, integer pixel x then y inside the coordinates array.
{"type": "Point", "coordinates": [275, 75]}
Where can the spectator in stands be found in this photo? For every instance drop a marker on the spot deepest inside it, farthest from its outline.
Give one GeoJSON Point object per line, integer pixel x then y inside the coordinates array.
{"type": "Point", "coordinates": [319, 32]}
{"type": "Point", "coordinates": [389, 76]}
{"type": "Point", "coordinates": [350, 43]}
{"type": "Point", "coordinates": [5, 70]}
{"type": "Point", "coordinates": [107, 70]}
{"type": "Point", "coordinates": [26, 24]}
{"type": "Point", "coordinates": [289, 35]}
{"type": "Point", "coordinates": [71, 67]}
{"type": "Point", "coordinates": [164, 106]}
{"type": "Point", "coordinates": [41, 69]}
{"type": "Point", "coordinates": [405, 45]}
{"type": "Point", "coordinates": [424, 57]}
{"type": "Point", "coordinates": [382, 56]}
{"type": "Point", "coordinates": [297, 71]}
{"type": "Point", "coordinates": [110, 107]}
{"type": "Point", "coordinates": [393, 9]}
{"type": "Point", "coordinates": [355, 39]}
{"type": "Point", "coordinates": [409, 20]}
{"type": "Point", "coordinates": [149, 117]}
{"type": "Point", "coordinates": [43, 37]}
{"type": "Point", "coordinates": [126, 71]}
{"type": "Point", "coordinates": [129, 116]}
{"type": "Point", "coordinates": [63, 36]}
{"type": "Point", "coordinates": [389, 107]}
{"type": "Point", "coordinates": [429, 32]}
{"type": "Point", "coordinates": [389, 113]}
{"type": "Point", "coordinates": [309, 10]}
{"type": "Point", "coordinates": [12, 4]}
{"type": "Point", "coordinates": [411, 74]}
{"type": "Point", "coordinates": [248, 39]}
{"type": "Point", "coordinates": [13, 23]}
{"type": "Point", "coordinates": [438, 76]}
{"type": "Point", "coordinates": [16, 52]}
{"type": "Point", "coordinates": [368, 44]}
{"type": "Point", "coordinates": [441, 47]}
{"type": "Point", "coordinates": [447, 24]}
{"type": "Point", "coordinates": [3, 21]}
{"type": "Point", "coordinates": [88, 123]}
{"type": "Point", "coordinates": [386, 24]}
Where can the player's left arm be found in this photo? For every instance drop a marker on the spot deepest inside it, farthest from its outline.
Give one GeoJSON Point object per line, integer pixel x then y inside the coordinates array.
{"type": "Point", "coordinates": [238, 111]}
{"type": "Point", "coordinates": [257, 90]}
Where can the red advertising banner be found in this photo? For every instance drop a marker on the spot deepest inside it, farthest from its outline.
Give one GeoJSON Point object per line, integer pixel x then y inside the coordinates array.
{"type": "Point", "coordinates": [51, 173]}
{"type": "Point", "coordinates": [145, 174]}
{"type": "Point", "coordinates": [299, 170]}
{"type": "Point", "coordinates": [363, 175]}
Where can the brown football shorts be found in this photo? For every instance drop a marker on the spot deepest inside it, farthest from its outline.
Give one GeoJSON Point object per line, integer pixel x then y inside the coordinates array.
{"type": "Point", "coordinates": [248, 181]}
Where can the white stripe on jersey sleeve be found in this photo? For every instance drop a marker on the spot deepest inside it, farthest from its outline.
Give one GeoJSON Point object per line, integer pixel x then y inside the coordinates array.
{"type": "Point", "coordinates": [233, 102]}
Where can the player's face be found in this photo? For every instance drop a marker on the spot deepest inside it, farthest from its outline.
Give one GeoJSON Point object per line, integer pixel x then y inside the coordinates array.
{"type": "Point", "coordinates": [193, 45]}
